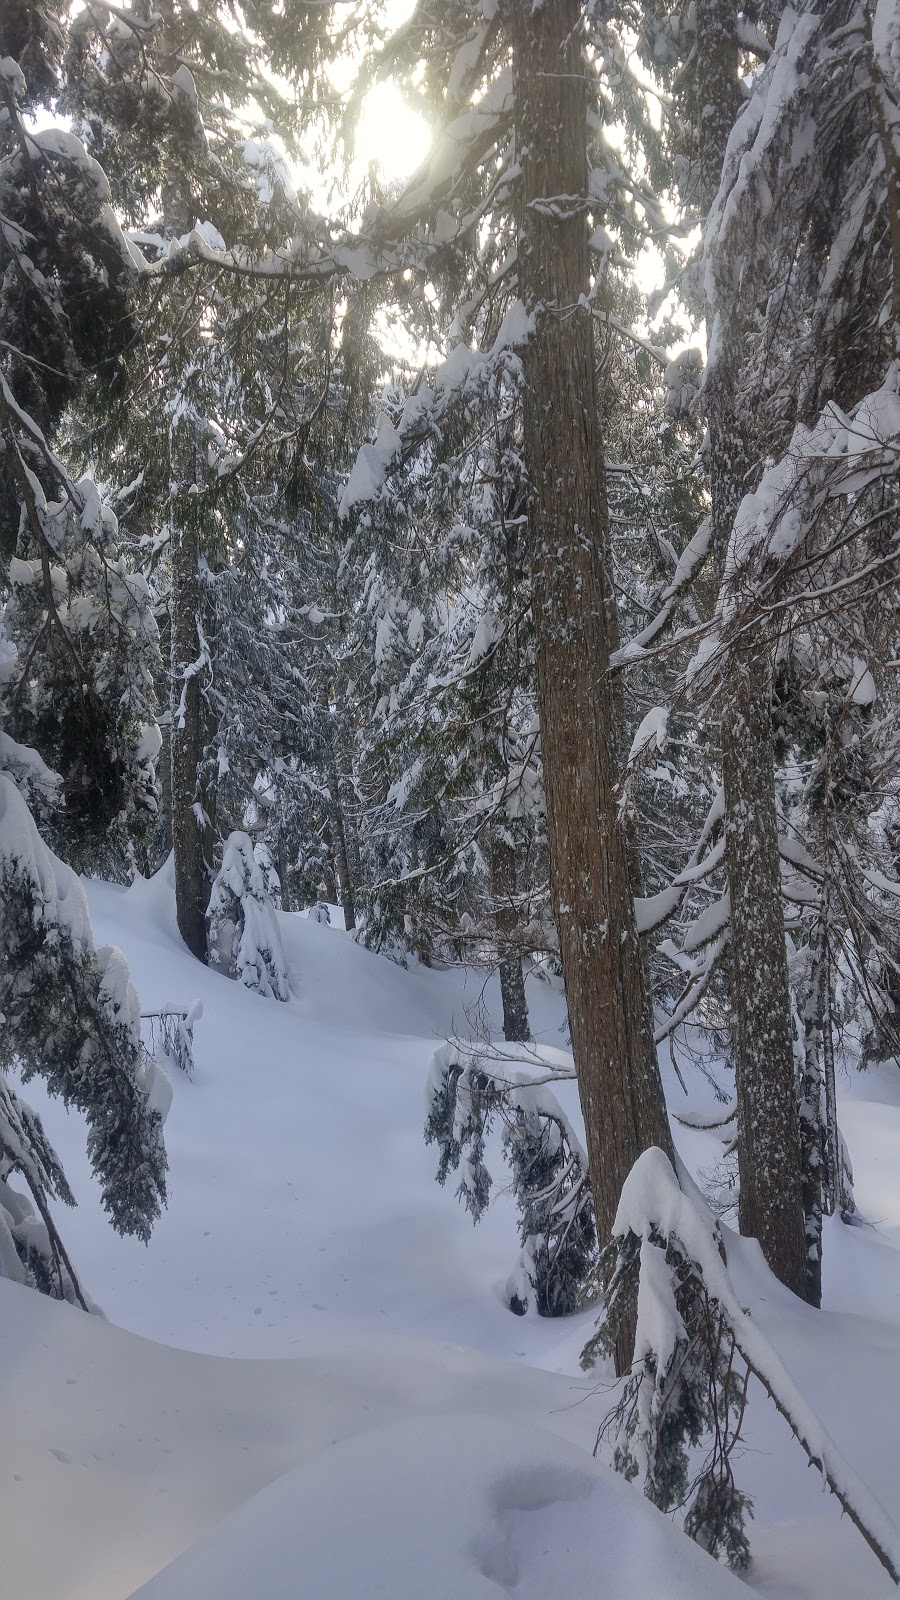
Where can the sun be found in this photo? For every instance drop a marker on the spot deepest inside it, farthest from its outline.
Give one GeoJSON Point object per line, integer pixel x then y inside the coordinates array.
{"type": "Point", "coordinates": [390, 135]}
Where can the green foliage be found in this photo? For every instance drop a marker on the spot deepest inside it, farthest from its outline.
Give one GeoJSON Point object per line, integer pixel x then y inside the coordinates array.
{"type": "Point", "coordinates": [687, 1389]}
{"type": "Point", "coordinates": [546, 1164]}
{"type": "Point", "coordinates": [71, 1017]}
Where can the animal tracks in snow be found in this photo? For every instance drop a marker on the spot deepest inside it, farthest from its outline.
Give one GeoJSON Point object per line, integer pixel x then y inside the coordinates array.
{"type": "Point", "coordinates": [519, 1500]}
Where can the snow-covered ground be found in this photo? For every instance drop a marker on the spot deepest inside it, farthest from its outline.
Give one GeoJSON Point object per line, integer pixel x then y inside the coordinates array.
{"type": "Point", "coordinates": [385, 1424]}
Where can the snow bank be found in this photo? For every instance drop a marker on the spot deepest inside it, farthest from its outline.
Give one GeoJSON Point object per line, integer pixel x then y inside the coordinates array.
{"type": "Point", "coordinates": [395, 1467]}
{"type": "Point", "coordinates": [446, 1507]}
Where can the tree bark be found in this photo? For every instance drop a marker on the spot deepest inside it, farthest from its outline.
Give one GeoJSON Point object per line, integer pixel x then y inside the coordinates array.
{"type": "Point", "coordinates": [769, 1157]}
{"type": "Point", "coordinates": [186, 739]}
{"type": "Point", "coordinates": [770, 1206]}
{"type": "Point", "coordinates": [512, 982]}
{"type": "Point", "coordinates": [815, 1143]}
{"type": "Point", "coordinates": [573, 611]}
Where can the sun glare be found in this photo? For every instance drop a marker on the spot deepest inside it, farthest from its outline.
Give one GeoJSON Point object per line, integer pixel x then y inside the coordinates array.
{"type": "Point", "coordinates": [390, 134]}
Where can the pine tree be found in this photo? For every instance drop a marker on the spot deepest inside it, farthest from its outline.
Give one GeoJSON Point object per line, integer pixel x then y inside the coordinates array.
{"type": "Point", "coordinates": [79, 655]}
{"type": "Point", "coordinates": [72, 1017]}
{"type": "Point", "coordinates": [244, 940]}
{"type": "Point", "coordinates": [469, 1090]}
{"type": "Point", "coordinates": [568, 538]}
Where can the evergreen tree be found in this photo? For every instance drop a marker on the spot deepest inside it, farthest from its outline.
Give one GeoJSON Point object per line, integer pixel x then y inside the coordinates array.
{"type": "Point", "coordinates": [71, 1016]}
{"type": "Point", "coordinates": [243, 930]}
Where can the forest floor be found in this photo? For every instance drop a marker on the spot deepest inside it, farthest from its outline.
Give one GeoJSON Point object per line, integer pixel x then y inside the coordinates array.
{"type": "Point", "coordinates": [382, 1423]}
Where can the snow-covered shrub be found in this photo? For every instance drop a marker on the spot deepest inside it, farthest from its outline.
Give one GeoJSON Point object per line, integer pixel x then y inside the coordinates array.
{"type": "Point", "coordinates": [467, 1090]}
{"type": "Point", "coordinates": [71, 1016]}
{"type": "Point", "coordinates": [695, 1349]}
{"type": "Point", "coordinates": [31, 1251]}
{"type": "Point", "coordinates": [686, 1387]}
{"type": "Point", "coordinates": [171, 1031]}
{"type": "Point", "coordinates": [243, 929]}
{"type": "Point", "coordinates": [81, 689]}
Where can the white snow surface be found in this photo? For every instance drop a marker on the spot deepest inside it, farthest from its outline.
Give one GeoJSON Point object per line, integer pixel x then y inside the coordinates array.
{"type": "Point", "coordinates": [329, 1396]}
{"type": "Point", "coordinates": [443, 1507]}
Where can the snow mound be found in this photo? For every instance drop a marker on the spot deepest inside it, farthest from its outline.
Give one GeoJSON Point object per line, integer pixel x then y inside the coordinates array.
{"type": "Point", "coordinates": [395, 1467]}
{"type": "Point", "coordinates": [446, 1507]}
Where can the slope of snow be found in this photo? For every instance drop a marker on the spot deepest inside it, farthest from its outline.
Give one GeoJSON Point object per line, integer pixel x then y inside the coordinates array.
{"type": "Point", "coordinates": [304, 1222]}
{"type": "Point", "coordinates": [441, 1462]}
{"type": "Point", "coordinates": [448, 1507]}
{"type": "Point", "coordinates": [302, 1196]}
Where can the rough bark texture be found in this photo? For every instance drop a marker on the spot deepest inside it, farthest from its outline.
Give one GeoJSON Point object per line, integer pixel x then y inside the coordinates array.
{"type": "Point", "coordinates": [186, 742]}
{"type": "Point", "coordinates": [770, 1206]}
{"type": "Point", "coordinates": [814, 1141]}
{"type": "Point", "coordinates": [769, 1157]}
{"type": "Point", "coordinates": [165, 783]}
{"type": "Point", "coordinates": [573, 609]}
{"type": "Point", "coordinates": [512, 982]}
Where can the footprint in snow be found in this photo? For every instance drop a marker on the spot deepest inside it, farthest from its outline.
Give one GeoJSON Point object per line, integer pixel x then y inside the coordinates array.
{"type": "Point", "coordinates": [533, 1489]}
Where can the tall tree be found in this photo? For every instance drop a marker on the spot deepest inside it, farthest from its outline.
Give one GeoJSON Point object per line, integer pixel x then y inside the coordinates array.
{"type": "Point", "coordinates": [770, 1201]}
{"type": "Point", "coordinates": [574, 610]}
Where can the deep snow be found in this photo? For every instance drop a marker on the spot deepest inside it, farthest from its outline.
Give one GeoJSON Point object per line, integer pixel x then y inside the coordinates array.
{"type": "Point", "coordinates": [422, 1441]}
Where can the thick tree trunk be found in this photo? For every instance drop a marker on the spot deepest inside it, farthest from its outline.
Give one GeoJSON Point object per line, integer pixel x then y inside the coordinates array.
{"type": "Point", "coordinates": [769, 1167]}
{"type": "Point", "coordinates": [512, 981]}
{"type": "Point", "coordinates": [573, 610]}
{"type": "Point", "coordinates": [186, 741]}
{"type": "Point", "coordinates": [769, 1155]}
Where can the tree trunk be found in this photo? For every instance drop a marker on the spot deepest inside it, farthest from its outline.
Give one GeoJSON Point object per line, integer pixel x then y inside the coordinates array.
{"type": "Point", "coordinates": [770, 1207]}
{"type": "Point", "coordinates": [573, 610]}
{"type": "Point", "coordinates": [165, 785]}
{"type": "Point", "coordinates": [814, 1141]}
{"type": "Point", "coordinates": [769, 1157]}
{"type": "Point", "coordinates": [339, 847]}
{"type": "Point", "coordinates": [512, 982]}
{"type": "Point", "coordinates": [186, 739]}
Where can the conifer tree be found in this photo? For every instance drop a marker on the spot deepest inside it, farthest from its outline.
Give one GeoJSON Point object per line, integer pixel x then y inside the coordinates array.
{"type": "Point", "coordinates": [76, 681]}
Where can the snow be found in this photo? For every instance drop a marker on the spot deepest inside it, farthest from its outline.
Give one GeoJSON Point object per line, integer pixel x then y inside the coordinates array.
{"type": "Point", "coordinates": [765, 114]}
{"type": "Point", "coordinates": [12, 76]}
{"type": "Point", "coordinates": [244, 937]}
{"type": "Point", "coordinates": [516, 328]}
{"type": "Point", "coordinates": [856, 450]}
{"type": "Point", "coordinates": [59, 897]}
{"type": "Point", "coordinates": [708, 925]}
{"type": "Point", "coordinates": [650, 911]}
{"type": "Point", "coordinates": [400, 1468]}
{"type": "Point", "coordinates": [29, 772]}
{"type": "Point", "coordinates": [22, 573]}
{"type": "Point", "coordinates": [382, 1423]}
{"type": "Point", "coordinates": [68, 147]}
{"type": "Point", "coordinates": [370, 469]}
{"type": "Point", "coordinates": [876, 420]}
{"type": "Point", "coordinates": [862, 690]}
{"type": "Point", "coordinates": [652, 730]}
{"type": "Point", "coordinates": [206, 230]}
{"type": "Point", "coordinates": [886, 44]}
{"type": "Point", "coordinates": [446, 1506]}
{"type": "Point", "coordinates": [654, 1200]}
{"type": "Point", "coordinates": [462, 367]}
{"type": "Point", "coordinates": [183, 82]}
